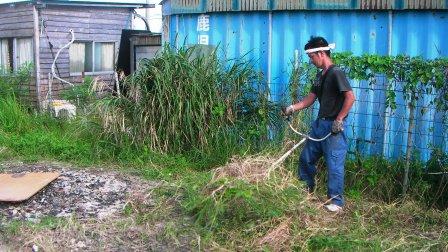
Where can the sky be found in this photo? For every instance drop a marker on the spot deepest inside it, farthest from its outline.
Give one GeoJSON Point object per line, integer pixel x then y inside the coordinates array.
{"type": "Point", "coordinates": [153, 15]}
{"type": "Point", "coordinates": [8, 1]}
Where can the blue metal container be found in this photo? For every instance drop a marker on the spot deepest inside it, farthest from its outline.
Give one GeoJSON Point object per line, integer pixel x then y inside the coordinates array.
{"type": "Point", "coordinates": [272, 32]}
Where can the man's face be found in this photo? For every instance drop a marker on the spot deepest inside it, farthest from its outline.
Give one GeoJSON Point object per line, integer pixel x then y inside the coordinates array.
{"type": "Point", "coordinates": [316, 58]}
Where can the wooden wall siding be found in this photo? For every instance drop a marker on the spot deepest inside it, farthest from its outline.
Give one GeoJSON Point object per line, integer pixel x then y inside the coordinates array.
{"type": "Point", "coordinates": [89, 24]}
{"type": "Point", "coordinates": [16, 21]}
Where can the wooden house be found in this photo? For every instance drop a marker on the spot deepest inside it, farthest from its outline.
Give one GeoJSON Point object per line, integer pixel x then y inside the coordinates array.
{"type": "Point", "coordinates": [35, 31]}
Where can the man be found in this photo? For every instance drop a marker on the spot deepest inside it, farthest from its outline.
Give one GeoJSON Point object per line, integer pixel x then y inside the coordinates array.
{"type": "Point", "coordinates": [336, 98]}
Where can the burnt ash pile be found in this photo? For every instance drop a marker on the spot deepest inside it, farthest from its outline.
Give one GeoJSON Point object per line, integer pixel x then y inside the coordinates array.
{"type": "Point", "coordinates": [75, 193]}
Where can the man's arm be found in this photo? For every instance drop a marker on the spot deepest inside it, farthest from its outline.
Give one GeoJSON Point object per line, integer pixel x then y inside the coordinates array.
{"type": "Point", "coordinates": [349, 99]}
{"type": "Point", "coordinates": [305, 103]}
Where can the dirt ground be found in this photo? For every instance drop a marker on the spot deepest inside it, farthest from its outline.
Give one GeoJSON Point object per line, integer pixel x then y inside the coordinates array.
{"type": "Point", "coordinates": [93, 209]}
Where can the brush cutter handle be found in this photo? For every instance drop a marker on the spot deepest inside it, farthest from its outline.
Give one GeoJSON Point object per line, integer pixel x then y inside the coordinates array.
{"type": "Point", "coordinates": [308, 137]}
{"type": "Point", "coordinates": [282, 158]}
{"type": "Point", "coordinates": [288, 111]}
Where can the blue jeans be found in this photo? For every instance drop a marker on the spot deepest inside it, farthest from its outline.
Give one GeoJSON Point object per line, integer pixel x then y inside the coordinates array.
{"type": "Point", "coordinates": [334, 150]}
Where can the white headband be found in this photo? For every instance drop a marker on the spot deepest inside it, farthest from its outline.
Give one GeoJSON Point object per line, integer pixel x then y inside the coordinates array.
{"type": "Point", "coordinates": [326, 48]}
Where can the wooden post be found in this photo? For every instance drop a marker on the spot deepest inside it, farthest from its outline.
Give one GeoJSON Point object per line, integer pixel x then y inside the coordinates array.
{"type": "Point", "coordinates": [36, 54]}
{"type": "Point", "coordinates": [409, 147]}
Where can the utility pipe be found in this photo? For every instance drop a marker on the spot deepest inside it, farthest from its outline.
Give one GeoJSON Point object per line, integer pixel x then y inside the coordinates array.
{"type": "Point", "coordinates": [52, 74]}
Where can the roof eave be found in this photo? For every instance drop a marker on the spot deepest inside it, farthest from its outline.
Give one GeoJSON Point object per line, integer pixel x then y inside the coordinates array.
{"type": "Point", "coordinates": [93, 4]}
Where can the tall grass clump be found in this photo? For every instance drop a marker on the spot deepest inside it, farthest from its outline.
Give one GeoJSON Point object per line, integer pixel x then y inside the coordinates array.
{"type": "Point", "coordinates": [183, 100]}
{"type": "Point", "coordinates": [26, 133]}
{"type": "Point", "coordinates": [379, 179]}
{"type": "Point", "coordinates": [14, 106]}
{"type": "Point", "coordinates": [437, 177]}
{"type": "Point", "coordinates": [15, 84]}
{"type": "Point", "coordinates": [81, 95]}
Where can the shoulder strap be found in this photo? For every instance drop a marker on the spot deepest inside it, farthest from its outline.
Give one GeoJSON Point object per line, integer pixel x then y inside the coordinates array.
{"type": "Point", "coordinates": [324, 77]}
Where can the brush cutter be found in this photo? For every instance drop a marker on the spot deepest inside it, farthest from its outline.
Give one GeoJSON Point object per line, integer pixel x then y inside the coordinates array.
{"type": "Point", "coordinates": [282, 158]}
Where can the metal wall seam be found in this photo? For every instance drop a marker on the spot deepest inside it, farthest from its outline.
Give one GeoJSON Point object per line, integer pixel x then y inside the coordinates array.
{"type": "Point", "coordinates": [388, 109]}
{"type": "Point", "coordinates": [269, 67]}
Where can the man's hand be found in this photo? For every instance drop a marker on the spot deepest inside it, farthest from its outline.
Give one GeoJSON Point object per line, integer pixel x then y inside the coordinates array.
{"type": "Point", "coordinates": [287, 111]}
{"type": "Point", "coordinates": [337, 126]}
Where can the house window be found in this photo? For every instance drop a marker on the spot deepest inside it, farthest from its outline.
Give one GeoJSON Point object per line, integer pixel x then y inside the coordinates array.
{"type": "Point", "coordinates": [15, 53]}
{"type": "Point", "coordinates": [81, 57]}
{"type": "Point", "coordinates": [24, 52]}
{"type": "Point", "coordinates": [91, 57]}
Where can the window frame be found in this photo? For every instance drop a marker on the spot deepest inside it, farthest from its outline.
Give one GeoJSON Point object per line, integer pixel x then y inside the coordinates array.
{"type": "Point", "coordinates": [14, 67]}
{"type": "Point", "coordinates": [93, 72]}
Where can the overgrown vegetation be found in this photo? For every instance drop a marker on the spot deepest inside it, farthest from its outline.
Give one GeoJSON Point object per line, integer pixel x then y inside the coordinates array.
{"type": "Point", "coordinates": [180, 117]}
{"type": "Point", "coordinates": [179, 102]}
{"type": "Point", "coordinates": [30, 135]}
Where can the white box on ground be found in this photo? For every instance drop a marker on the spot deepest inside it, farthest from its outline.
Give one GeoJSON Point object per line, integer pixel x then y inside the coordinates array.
{"type": "Point", "coordinates": [59, 107]}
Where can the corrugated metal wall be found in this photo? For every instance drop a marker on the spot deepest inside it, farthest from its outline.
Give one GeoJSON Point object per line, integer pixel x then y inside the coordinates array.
{"type": "Point", "coordinates": [202, 6]}
{"type": "Point", "coordinates": [271, 38]}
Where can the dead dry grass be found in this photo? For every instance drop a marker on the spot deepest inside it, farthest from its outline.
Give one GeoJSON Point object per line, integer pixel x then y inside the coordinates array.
{"type": "Point", "coordinates": [111, 235]}
{"type": "Point", "coordinates": [146, 227]}
{"type": "Point", "coordinates": [277, 234]}
{"type": "Point", "coordinates": [255, 169]}
{"type": "Point", "coordinates": [252, 169]}
{"type": "Point", "coordinates": [308, 221]}
{"type": "Point", "coordinates": [277, 237]}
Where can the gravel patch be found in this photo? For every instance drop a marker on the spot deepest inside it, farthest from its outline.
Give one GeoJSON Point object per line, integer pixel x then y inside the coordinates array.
{"type": "Point", "coordinates": [75, 193]}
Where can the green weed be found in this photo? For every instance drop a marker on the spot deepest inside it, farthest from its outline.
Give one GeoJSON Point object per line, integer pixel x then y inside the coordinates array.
{"type": "Point", "coordinates": [233, 203]}
{"type": "Point", "coordinates": [342, 243]}
{"type": "Point", "coordinates": [80, 94]}
{"type": "Point", "coordinates": [12, 228]}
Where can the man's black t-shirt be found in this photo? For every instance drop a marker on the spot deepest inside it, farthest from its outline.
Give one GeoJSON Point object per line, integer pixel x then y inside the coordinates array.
{"type": "Point", "coordinates": [329, 90]}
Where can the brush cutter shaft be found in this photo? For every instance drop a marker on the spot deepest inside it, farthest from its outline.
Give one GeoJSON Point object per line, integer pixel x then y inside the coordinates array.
{"type": "Point", "coordinates": [288, 152]}
{"type": "Point", "coordinates": [282, 158]}
{"type": "Point", "coordinates": [308, 137]}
